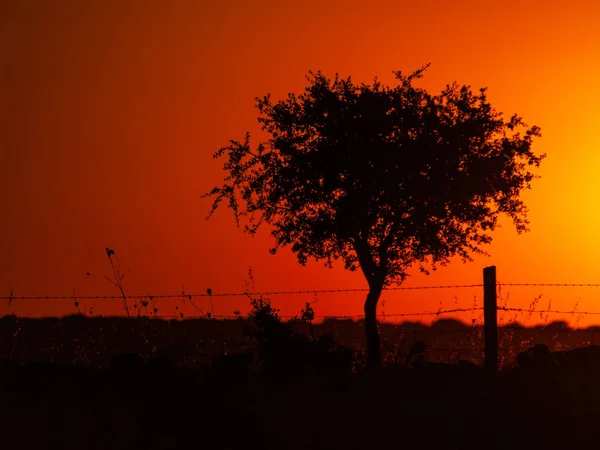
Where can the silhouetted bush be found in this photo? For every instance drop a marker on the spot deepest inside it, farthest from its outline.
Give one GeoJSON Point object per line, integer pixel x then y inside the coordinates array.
{"type": "Point", "coordinates": [287, 353]}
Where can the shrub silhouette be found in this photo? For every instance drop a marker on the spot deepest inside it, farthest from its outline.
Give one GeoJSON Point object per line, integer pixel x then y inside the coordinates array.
{"type": "Point", "coordinates": [287, 353]}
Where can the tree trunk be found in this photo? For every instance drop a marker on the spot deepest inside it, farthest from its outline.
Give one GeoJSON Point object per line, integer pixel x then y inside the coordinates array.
{"type": "Point", "coordinates": [371, 330]}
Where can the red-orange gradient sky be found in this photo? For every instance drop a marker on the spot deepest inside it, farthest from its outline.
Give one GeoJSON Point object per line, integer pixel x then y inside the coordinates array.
{"type": "Point", "coordinates": [110, 112]}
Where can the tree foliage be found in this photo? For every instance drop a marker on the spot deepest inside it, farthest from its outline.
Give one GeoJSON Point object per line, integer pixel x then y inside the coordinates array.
{"type": "Point", "coordinates": [382, 176]}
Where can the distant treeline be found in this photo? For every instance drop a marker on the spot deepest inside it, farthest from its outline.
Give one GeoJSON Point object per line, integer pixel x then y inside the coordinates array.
{"type": "Point", "coordinates": [196, 341]}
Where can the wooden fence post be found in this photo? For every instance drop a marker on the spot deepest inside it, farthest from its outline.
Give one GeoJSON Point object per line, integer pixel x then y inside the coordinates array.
{"type": "Point", "coordinates": [490, 315]}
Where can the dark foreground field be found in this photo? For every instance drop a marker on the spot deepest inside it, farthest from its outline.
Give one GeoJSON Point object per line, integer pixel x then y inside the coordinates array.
{"type": "Point", "coordinates": [548, 406]}
{"type": "Point", "coordinates": [546, 400]}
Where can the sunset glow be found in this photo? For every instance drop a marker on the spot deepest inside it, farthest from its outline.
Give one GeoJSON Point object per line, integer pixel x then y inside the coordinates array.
{"type": "Point", "coordinates": [110, 116]}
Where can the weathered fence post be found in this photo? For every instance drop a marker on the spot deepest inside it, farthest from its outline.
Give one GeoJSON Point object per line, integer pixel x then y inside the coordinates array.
{"type": "Point", "coordinates": [490, 315]}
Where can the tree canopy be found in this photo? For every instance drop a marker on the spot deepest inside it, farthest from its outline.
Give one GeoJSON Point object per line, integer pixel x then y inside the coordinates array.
{"type": "Point", "coordinates": [380, 177]}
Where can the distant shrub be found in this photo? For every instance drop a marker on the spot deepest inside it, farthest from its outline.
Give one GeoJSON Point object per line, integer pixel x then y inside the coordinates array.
{"type": "Point", "coordinates": [442, 325]}
{"type": "Point", "coordinates": [557, 326]}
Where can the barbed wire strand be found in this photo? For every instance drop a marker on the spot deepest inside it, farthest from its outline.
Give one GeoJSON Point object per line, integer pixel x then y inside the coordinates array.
{"type": "Point", "coordinates": [381, 315]}
{"type": "Point", "coordinates": [184, 296]}
{"type": "Point", "coordinates": [230, 294]}
{"type": "Point", "coordinates": [296, 292]}
{"type": "Point", "coordinates": [324, 316]}
{"type": "Point", "coordinates": [552, 311]}
{"type": "Point", "coordinates": [551, 284]}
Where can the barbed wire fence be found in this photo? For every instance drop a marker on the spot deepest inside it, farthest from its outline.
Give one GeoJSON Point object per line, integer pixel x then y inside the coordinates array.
{"type": "Point", "coordinates": [315, 292]}
{"type": "Point", "coordinates": [479, 331]}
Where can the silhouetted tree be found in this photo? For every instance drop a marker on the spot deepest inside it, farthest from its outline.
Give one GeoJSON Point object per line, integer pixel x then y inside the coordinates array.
{"type": "Point", "coordinates": [380, 177]}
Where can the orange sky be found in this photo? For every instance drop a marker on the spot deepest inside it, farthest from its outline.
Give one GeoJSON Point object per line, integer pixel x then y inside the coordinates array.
{"type": "Point", "coordinates": [110, 112]}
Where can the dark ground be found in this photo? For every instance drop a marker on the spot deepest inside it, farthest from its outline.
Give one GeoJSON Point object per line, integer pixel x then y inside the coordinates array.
{"type": "Point", "coordinates": [432, 406]}
{"type": "Point", "coordinates": [548, 401]}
